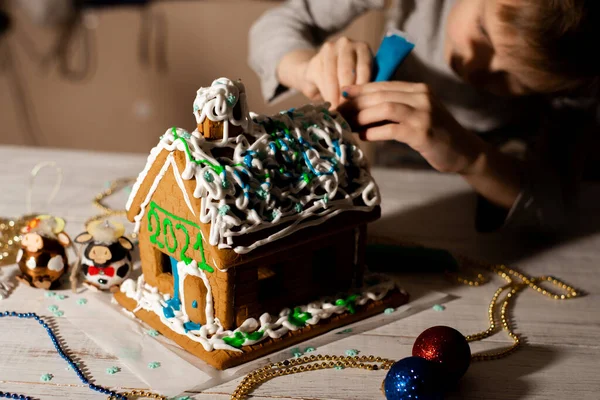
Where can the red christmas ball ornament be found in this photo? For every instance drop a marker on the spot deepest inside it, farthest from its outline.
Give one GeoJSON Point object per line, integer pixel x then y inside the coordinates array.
{"type": "Point", "coordinates": [446, 346]}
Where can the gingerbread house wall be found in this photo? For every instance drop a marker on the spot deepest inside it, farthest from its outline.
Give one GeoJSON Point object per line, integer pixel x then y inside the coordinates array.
{"type": "Point", "coordinates": [168, 197]}
{"type": "Point", "coordinates": [299, 275]}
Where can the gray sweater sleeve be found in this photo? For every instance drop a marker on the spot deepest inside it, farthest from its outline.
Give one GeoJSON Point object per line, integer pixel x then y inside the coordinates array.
{"type": "Point", "coordinates": [297, 25]}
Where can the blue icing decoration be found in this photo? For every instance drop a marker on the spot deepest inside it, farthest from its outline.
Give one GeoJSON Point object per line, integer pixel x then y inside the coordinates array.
{"type": "Point", "coordinates": [194, 304]}
{"type": "Point", "coordinates": [191, 326]}
{"type": "Point", "coordinates": [174, 303]}
{"type": "Point", "coordinates": [168, 312]}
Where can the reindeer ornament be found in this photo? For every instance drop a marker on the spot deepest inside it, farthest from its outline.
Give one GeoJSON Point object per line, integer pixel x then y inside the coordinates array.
{"type": "Point", "coordinates": [106, 257]}
{"type": "Point", "coordinates": [42, 258]}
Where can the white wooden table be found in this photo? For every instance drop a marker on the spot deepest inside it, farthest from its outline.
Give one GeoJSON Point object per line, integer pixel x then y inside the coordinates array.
{"type": "Point", "coordinates": [560, 360]}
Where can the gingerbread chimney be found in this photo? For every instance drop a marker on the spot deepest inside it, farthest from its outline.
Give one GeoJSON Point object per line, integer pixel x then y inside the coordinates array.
{"type": "Point", "coordinates": [213, 130]}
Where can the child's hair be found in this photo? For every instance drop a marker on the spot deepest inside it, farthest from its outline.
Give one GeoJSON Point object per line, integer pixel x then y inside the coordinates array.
{"type": "Point", "coordinates": [560, 38]}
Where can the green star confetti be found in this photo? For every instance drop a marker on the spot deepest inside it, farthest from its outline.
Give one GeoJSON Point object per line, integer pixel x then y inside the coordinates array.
{"type": "Point", "coordinates": [351, 352]}
{"type": "Point", "coordinates": [388, 311]}
{"type": "Point", "coordinates": [60, 296]}
{"type": "Point", "coordinates": [223, 210]}
{"type": "Point", "coordinates": [338, 367]}
{"type": "Point", "coordinates": [81, 301]}
{"type": "Point", "coordinates": [296, 352]}
{"type": "Point", "coordinates": [349, 330]}
{"type": "Point", "coordinates": [46, 377]}
{"type": "Point", "coordinates": [309, 349]}
{"type": "Point", "coordinates": [438, 307]}
{"type": "Point", "coordinates": [53, 308]}
{"type": "Point", "coordinates": [113, 370]}
{"type": "Point", "coordinates": [49, 294]}
{"type": "Point", "coordinates": [58, 313]}
{"type": "Point", "coordinates": [153, 364]}
{"type": "Point", "coordinates": [152, 332]}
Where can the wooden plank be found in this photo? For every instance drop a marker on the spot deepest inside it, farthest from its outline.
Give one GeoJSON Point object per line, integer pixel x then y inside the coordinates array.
{"type": "Point", "coordinates": [558, 361]}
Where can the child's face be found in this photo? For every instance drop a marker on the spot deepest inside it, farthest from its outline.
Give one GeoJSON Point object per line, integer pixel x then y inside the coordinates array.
{"type": "Point", "coordinates": [476, 48]}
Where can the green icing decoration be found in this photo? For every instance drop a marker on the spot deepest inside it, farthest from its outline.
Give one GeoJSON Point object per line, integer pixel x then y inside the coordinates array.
{"type": "Point", "coordinates": [298, 318]}
{"type": "Point", "coordinates": [348, 303]}
{"type": "Point", "coordinates": [217, 168]}
{"type": "Point", "coordinates": [153, 214]}
{"type": "Point", "coordinates": [182, 254]}
{"type": "Point", "coordinates": [168, 224]}
{"type": "Point", "coordinates": [239, 338]}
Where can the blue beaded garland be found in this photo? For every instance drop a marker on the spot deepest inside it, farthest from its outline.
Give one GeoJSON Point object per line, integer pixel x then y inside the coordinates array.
{"type": "Point", "coordinates": [61, 353]}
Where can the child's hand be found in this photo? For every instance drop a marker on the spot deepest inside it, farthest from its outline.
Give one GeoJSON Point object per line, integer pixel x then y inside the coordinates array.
{"type": "Point", "coordinates": [408, 113]}
{"type": "Point", "coordinates": [337, 63]}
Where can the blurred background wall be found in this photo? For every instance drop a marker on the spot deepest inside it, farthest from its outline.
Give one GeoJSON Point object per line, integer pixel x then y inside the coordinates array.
{"type": "Point", "coordinates": [126, 74]}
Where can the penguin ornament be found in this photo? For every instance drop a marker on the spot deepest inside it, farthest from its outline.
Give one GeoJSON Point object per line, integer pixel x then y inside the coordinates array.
{"type": "Point", "coordinates": [106, 259]}
{"type": "Point", "coordinates": [42, 258]}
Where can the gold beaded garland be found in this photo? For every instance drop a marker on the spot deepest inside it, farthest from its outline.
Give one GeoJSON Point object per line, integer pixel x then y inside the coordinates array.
{"type": "Point", "coordinates": [140, 394]}
{"type": "Point", "coordinates": [107, 212]}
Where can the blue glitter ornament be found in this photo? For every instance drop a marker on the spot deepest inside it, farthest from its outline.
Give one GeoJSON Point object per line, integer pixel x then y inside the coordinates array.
{"type": "Point", "coordinates": [413, 378]}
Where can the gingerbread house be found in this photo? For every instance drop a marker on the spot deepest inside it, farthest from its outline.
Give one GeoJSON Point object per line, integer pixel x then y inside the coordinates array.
{"type": "Point", "coordinates": [252, 230]}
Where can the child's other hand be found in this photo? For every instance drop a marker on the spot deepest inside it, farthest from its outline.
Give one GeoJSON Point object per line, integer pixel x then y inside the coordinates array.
{"type": "Point", "coordinates": [409, 113]}
{"type": "Point", "coordinates": [337, 64]}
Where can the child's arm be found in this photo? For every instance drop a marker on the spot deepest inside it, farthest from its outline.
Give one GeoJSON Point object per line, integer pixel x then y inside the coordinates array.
{"type": "Point", "coordinates": [284, 41]}
{"type": "Point", "coordinates": [535, 190]}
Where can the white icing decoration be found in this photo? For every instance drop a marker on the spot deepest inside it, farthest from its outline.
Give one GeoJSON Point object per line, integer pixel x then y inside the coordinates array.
{"type": "Point", "coordinates": [161, 173]}
{"type": "Point", "coordinates": [245, 194]}
{"type": "Point", "coordinates": [30, 263]}
{"type": "Point", "coordinates": [182, 186]}
{"type": "Point", "coordinates": [211, 335]}
{"type": "Point", "coordinates": [56, 263]}
{"type": "Point", "coordinates": [19, 255]}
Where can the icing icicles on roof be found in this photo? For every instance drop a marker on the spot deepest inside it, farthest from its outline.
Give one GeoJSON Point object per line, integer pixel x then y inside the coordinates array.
{"type": "Point", "coordinates": [291, 170]}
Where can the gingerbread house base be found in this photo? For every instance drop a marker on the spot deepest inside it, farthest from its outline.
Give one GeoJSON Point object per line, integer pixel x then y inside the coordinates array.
{"type": "Point", "coordinates": [223, 359]}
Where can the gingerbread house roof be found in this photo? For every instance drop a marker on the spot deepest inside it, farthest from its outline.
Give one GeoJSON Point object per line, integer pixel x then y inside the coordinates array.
{"type": "Point", "coordinates": [280, 174]}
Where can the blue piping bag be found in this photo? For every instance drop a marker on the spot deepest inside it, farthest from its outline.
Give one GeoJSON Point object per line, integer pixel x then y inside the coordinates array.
{"type": "Point", "coordinates": [395, 47]}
